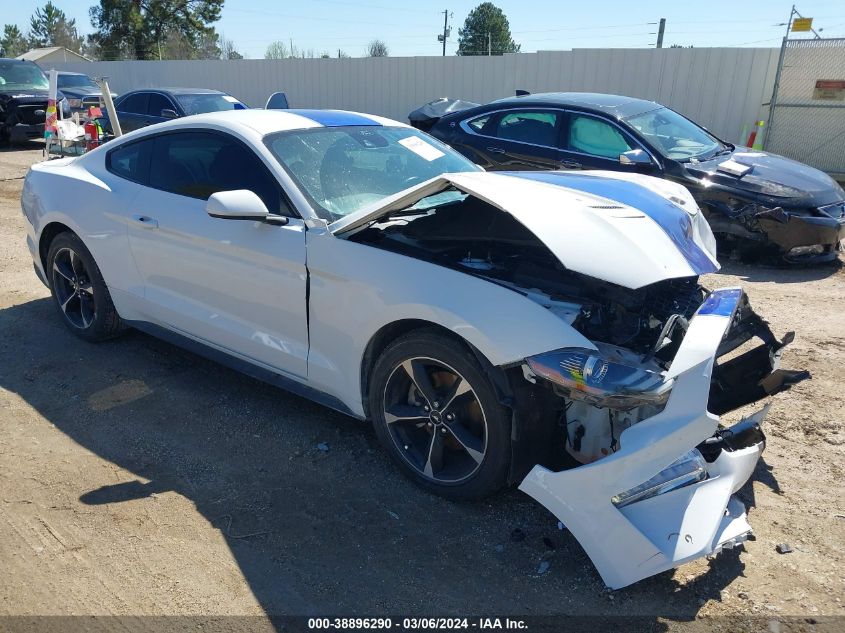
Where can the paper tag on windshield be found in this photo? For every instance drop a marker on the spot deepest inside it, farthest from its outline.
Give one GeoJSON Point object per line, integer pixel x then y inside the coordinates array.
{"type": "Point", "coordinates": [421, 148]}
{"type": "Point", "coordinates": [230, 99]}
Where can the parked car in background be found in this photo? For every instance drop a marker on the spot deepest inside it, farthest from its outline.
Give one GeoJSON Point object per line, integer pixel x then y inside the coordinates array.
{"type": "Point", "coordinates": [141, 108]}
{"type": "Point", "coordinates": [757, 202]}
{"type": "Point", "coordinates": [541, 328]}
{"type": "Point", "coordinates": [24, 89]}
{"type": "Point", "coordinates": [81, 91]}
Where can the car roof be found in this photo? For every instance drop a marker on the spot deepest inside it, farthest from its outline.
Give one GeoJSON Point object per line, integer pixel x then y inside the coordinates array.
{"type": "Point", "coordinates": [178, 91]}
{"type": "Point", "coordinates": [617, 105]}
{"type": "Point", "coordinates": [256, 122]}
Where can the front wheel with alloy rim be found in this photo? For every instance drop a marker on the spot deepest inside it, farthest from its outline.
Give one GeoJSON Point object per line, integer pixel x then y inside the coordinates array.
{"type": "Point", "coordinates": [436, 413]}
{"type": "Point", "coordinates": [79, 291]}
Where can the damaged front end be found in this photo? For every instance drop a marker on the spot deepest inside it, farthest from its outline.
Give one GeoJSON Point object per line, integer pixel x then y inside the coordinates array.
{"type": "Point", "coordinates": [795, 235]}
{"type": "Point", "coordinates": [655, 472]}
{"type": "Point", "coordinates": [618, 435]}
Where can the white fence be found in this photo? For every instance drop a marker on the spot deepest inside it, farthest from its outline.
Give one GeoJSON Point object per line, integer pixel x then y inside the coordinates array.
{"type": "Point", "coordinates": [724, 89]}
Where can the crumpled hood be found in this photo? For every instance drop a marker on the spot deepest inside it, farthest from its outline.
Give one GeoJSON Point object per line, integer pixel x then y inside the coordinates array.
{"type": "Point", "coordinates": [772, 175]}
{"type": "Point", "coordinates": [621, 228]}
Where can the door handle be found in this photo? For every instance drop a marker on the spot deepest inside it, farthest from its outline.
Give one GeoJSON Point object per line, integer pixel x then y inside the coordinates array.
{"type": "Point", "coordinates": [145, 221]}
{"type": "Point", "coordinates": [496, 150]}
{"type": "Point", "coordinates": [570, 164]}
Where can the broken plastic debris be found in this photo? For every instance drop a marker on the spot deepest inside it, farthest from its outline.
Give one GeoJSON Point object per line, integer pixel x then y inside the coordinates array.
{"type": "Point", "coordinates": [323, 447]}
{"type": "Point", "coordinates": [783, 548]}
{"type": "Point", "coordinates": [544, 567]}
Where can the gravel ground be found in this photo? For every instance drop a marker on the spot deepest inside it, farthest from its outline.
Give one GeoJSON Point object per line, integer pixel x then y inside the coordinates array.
{"type": "Point", "coordinates": [136, 478]}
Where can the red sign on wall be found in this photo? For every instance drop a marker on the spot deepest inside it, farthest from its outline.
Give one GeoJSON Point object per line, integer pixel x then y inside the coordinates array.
{"type": "Point", "coordinates": [830, 89]}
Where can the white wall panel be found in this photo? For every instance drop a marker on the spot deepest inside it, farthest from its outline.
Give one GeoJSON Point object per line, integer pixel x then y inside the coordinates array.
{"type": "Point", "coordinates": [721, 88]}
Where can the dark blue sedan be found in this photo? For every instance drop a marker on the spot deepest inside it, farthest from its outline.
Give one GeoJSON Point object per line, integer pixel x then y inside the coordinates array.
{"type": "Point", "coordinates": [756, 202]}
{"type": "Point", "coordinates": [141, 108]}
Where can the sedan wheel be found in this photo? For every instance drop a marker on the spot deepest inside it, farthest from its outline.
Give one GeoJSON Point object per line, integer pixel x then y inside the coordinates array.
{"type": "Point", "coordinates": [436, 413]}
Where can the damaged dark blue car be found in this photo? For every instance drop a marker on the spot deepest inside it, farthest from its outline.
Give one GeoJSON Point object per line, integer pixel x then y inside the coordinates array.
{"type": "Point", "coordinates": [758, 204]}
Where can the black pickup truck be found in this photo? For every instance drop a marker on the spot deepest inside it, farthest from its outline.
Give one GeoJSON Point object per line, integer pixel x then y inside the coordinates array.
{"type": "Point", "coordinates": [23, 99]}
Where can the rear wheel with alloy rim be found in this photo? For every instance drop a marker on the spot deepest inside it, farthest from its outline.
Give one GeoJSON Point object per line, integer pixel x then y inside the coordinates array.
{"type": "Point", "coordinates": [435, 411]}
{"type": "Point", "coordinates": [79, 291]}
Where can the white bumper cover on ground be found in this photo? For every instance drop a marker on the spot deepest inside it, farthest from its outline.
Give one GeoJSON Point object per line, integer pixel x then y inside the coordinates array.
{"type": "Point", "coordinates": [644, 538]}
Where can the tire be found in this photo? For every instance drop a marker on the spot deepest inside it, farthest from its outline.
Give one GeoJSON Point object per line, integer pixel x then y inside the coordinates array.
{"type": "Point", "coordinates": [458, 447]}
{"type": "Point", "coordinates": [79, 291]}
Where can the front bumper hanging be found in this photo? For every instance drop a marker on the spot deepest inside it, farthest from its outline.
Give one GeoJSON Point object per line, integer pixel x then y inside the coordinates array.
{"type": "Point", "coordinates": [631, 541]}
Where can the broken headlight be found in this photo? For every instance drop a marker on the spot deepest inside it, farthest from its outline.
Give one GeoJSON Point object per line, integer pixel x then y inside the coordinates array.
{"type": "Point", "coordinates": [586, 375]}
{"type": "Point", "coordinates": [689, 469]}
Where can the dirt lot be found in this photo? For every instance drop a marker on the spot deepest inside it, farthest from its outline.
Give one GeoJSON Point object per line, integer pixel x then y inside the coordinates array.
{"type": "Point", "coordinates": [136, 478]}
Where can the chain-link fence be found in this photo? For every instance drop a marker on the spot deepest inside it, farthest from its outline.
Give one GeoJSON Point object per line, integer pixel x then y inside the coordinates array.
{"type": "Point", "coordinates": [807, 120]}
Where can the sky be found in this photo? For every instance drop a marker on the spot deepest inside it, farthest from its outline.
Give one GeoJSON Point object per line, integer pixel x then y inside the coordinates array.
{"type": "Point", "coordinates": [411, 28]}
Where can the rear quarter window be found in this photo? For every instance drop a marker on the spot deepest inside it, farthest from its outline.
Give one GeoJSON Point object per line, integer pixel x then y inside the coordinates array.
{"type": "Point", "coordinates": [131, 161]}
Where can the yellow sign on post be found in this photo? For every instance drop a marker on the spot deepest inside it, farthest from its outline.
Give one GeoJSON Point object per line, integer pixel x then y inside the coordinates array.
{"type": "Point", "coordinates": [802, 24]}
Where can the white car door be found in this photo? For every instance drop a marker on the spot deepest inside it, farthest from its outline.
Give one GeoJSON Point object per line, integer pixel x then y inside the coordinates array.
{"type": "Point", "coordinates": [238, 284]}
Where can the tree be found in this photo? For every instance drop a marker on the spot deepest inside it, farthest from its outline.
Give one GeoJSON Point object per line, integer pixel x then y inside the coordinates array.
{"type": "Point", "coordinates": [377, 48]}
{"type": "Point", "coordinates": [13, 42]}
{"type": "Point", "coordinates": [207, 47]}
{"type": "Point", "coordinates": [228, 50]}
{"type": "Point", "coordinates": [276, 50]}
{"type": "Point", "coordinates": [139, 29]}
{"type": "Point", "coordinates": [486, 20]}
{"type": "Point", "coordinates": [50, 27]}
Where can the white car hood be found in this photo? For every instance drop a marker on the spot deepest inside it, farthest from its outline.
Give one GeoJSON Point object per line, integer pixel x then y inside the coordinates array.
{"type": "Point", "coordinates": [630, 230]}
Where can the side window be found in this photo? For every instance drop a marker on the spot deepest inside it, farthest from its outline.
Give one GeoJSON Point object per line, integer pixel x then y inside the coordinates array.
{"type": "Point", "coordinates": [136, 104]}
{"type": "Point", "coordinates": [158, 103]}
{"type": "Point", "coordinates": [479, 122]}
{"type": "Point", "coordinates": [535, 127]}
{"type": "Point", "coordinates": [198, 164]}
{"type": "Point", "coordinates": [131, 161]}
{"type": "Point", "coordinates": [595, 137]}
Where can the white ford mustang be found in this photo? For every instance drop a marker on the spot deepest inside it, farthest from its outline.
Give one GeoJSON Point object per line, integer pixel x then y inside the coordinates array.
{"type": "Point", "coordinates": [546, 329]}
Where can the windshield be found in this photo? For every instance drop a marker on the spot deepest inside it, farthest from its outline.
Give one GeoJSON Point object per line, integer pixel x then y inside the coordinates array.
{"type": "Point", "coordinates": [344, 169]}
{"type": "Point", "coordinates": [76, 81]}
{"type": "Point", "coordinates": [674, 136]}
{"type": "Point", "coordinates": [18, 76]}
{"type": "Point", "coordinates": [201, 103]}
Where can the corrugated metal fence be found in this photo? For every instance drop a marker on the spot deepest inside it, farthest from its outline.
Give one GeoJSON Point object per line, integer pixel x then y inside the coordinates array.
{"type": "Point", "coordinates": [721, 88]}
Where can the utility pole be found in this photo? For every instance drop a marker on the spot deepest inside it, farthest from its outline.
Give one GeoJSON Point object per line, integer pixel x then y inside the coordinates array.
{"type": "Point", "coordinates": [489, 44]}
{"type": "Point", "coordinates": [660, 30]}
{"type": "Point", "coordinates": [446, 31]}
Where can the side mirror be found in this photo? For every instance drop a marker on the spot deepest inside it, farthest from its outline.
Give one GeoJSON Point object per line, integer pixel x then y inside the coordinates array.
{"type": "Point", "coordinates": [167, 113]}
{"type": "Point", "coordinates": [241, 204]}
{"type": "Point", "coordinates": [635, 157]}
